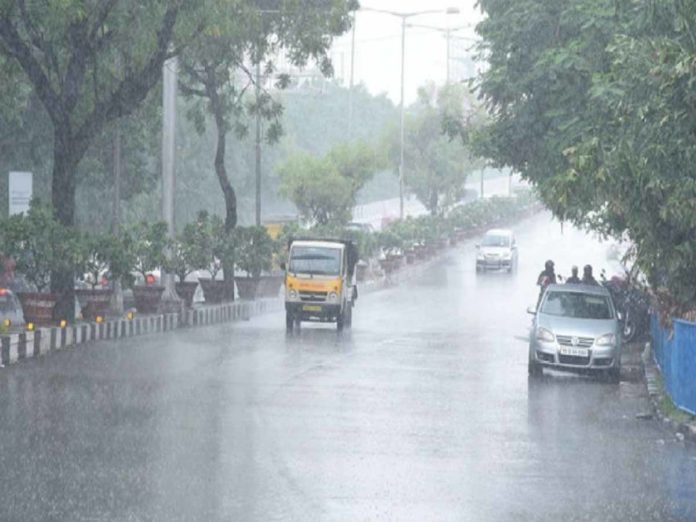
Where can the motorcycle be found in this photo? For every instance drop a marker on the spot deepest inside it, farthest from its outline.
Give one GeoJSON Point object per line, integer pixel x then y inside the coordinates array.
{"type": "Point", "coordinates": [631, 302]}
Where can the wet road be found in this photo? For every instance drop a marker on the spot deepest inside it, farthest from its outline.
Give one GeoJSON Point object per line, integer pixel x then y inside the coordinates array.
{"type": "Point", "coordinates": [423, 412]}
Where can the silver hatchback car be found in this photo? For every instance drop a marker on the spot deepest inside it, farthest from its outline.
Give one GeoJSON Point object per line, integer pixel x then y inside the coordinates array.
{"type": "Point", "coordinates": [576, 327]}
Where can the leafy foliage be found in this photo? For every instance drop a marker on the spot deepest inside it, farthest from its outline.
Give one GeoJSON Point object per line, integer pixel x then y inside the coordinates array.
{"type": "Point", "coordinates": [149, 245]}
{"type": "Point", "coordinates": [436, 165]}
{"type": "Point", "coordinates": [255, 250]}
{"type": "Point", "coordinates": [593, 101]}
{"type": "Point", "coordinates": [40, 244]}
{"type": "Point", "coordinates": [256, 29]}
{"type": "Point", "coordinates": [324, 189]}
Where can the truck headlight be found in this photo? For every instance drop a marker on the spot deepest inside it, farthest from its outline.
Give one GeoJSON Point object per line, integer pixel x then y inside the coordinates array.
{"type": "Point", "coordinates": [606, 340]}
{"type": "Point", "coordinates": [480, 256]}
{"type": "Point", "coordinates": [333, 296]}
{"type": "Point", "coordinates": [544, 335]}
{"type": "Point", "coordinates": [507, 255]}
{"type": "Point", "coordinates": [292, 295]}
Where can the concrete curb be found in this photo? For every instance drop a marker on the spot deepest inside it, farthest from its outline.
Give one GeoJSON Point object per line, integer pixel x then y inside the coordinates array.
{"type": "Point", "coordinates": [15, 347]}
{"type": "Point", "coordinates": [683, 430]}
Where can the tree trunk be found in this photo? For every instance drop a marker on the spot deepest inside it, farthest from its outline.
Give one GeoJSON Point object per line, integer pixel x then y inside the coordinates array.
{"type": "Point", "coordinates": [433, 202]}
{"type": "Point", "coordinates": [227, 189]}
{"type": "Point", "coordinates": [65, 161]}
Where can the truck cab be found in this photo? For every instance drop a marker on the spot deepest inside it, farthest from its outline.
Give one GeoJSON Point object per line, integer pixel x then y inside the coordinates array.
{"type": "Point", "coordinates": [319, 282]}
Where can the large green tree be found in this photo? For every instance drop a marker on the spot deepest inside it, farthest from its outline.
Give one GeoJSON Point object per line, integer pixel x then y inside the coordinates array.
{"type": "Point", "coordinates": [325, 189]}
{"type": "Point", "coordinates": [216, 67]}
{"type": "Point", "coordinates": [89, 62]}
{"type": "Point", "coordinates": [593, 101]}
{"type": "Point", "coordinates": [436, 151]}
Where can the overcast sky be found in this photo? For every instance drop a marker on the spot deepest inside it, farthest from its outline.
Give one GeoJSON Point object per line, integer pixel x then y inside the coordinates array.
{"type": "Point", "coordinates": [378, 45]}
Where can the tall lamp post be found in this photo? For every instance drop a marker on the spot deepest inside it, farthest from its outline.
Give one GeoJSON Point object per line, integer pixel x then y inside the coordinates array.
{"type": "Point", "coordinates": [171, 302]}
{"type": "Point", "coordinates": [404, 17]}
{"type": "Point", "coordinates": [257, 149]}
{"type": "Point", "coordinates": [448, 32]}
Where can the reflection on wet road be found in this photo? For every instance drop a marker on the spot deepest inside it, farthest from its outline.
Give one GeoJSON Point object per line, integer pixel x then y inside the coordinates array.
{"type": "Point", "coordinates": [422, 412]}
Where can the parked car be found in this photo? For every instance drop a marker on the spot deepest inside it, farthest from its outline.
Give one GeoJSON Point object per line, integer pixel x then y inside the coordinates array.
{"type": "Point", "coordinates": [497, 251]}
{"type": "Point", "coordinates": [10, 308]}
{"type": "Point", "coordinates": [576, 327]}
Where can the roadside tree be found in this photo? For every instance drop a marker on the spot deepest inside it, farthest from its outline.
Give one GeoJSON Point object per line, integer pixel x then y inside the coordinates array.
{"type": "Point", "coordinates": [593, 102]}
{"type": "Point", "coordinates": [89, 63]}
{"type": "Point", "coordinates": [216, 72]}
{"type": "Point", "coordinates": [437, 164]}
{"type": "Point", "coordinates": [324, 189]}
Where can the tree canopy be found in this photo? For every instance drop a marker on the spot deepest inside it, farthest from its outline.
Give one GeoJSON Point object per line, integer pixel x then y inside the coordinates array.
{"type": "Point", "coordinates": [324, 189]}
{"type": "Point", "coordinates": [436, 151]}
{"type": "Point", "coordinates": [594, 102]}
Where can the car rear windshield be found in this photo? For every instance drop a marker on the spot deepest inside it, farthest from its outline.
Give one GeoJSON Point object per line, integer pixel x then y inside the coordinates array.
{"type": "Point", "coordinates": [496, 241]}
{"type": "Point", "coordinates": [577, 305]}
{"type": "Point", "coordinates": [315, 260]}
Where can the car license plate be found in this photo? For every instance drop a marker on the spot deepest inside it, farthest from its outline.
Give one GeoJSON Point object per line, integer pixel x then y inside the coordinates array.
{"type": "Point", "coordinates": [310, 308]}
{"type": "Point", "coordinates": [575, 352]}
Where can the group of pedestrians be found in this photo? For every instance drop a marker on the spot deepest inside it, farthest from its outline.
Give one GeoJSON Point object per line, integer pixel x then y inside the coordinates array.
{"type": "Point", "coordinates": [548, 277]}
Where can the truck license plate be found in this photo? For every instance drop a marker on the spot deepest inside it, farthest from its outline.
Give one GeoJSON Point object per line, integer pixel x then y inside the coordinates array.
{"type": "Point", "coordinates": [311, 308]}
{"type": "Point", "coordinates": [575, 352]}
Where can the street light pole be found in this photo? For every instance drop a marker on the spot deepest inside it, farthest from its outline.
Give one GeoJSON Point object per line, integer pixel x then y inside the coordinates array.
{"type": "Point", "coordinates": [352, 78]}
{"type": "Point", "coordinates": [448, 34]}
{"type": "Point", "coordinates": [403, 117]}
{"type": "Point", "coordinates": [404, 17]}
{"type": "Point", "coordinates": [258, 146]}
{"type": "Point", "coordinates": [171, 302]}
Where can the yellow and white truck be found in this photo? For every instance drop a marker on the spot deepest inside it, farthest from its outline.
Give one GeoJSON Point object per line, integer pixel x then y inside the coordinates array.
{"type": "Point", "coordinates": [320, 282]}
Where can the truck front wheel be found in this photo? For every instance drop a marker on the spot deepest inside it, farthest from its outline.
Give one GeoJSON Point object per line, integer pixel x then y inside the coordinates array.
{"type": "Point", "coordinates": [289, 322]}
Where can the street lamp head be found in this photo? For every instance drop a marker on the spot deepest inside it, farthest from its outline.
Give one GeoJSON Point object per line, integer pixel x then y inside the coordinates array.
{"type": "Point", "coordinates": [452, 11]}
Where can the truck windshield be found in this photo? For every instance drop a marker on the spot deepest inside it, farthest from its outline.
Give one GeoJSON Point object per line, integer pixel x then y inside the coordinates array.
{"type": "Point", "coordinates": [315, 260]}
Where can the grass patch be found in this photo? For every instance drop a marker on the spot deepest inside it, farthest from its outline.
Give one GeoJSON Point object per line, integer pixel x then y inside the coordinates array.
{"type": "Point", "coordinates": [668, 408]}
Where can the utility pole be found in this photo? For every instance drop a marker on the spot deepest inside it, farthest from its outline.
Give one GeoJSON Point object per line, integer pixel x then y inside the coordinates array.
{"type": "Point", "coordinates": [403, 119]}
{"type": "Point", "coordinates": [116, 223]}
{"type": "Point", "coordinates": [116, 304]}
{"type": "Point", "coordinates": [171, 302]}
{"type": "Point", "coordinates": [448, 34]}
{"type": "Point", "coordinates": [352, 78]}
{"type": "Point", "coordinates": [258, 145]}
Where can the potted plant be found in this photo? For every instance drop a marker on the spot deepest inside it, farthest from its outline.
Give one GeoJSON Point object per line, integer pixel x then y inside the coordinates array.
{"type": "Point", "coordinates": [271, 283]}
{"type": "Point", "coordinates": [216, 248]}
{"type": "Point", "coordinates": [391, 245]}
{"type": "Point", "coordinates": [94, 264]}
{"type": "Point", "coordinates": [185, 258]}
{"type": "Point", "coordinates": [39, 244]}
{"type": "Point", "coordinates": [254, 255]}
{"type": "Point", "coordinates": [149, 244]}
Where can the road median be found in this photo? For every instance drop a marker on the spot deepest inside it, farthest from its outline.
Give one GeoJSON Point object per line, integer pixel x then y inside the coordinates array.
{"type": "Point", "coordinates": [21, 345]}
